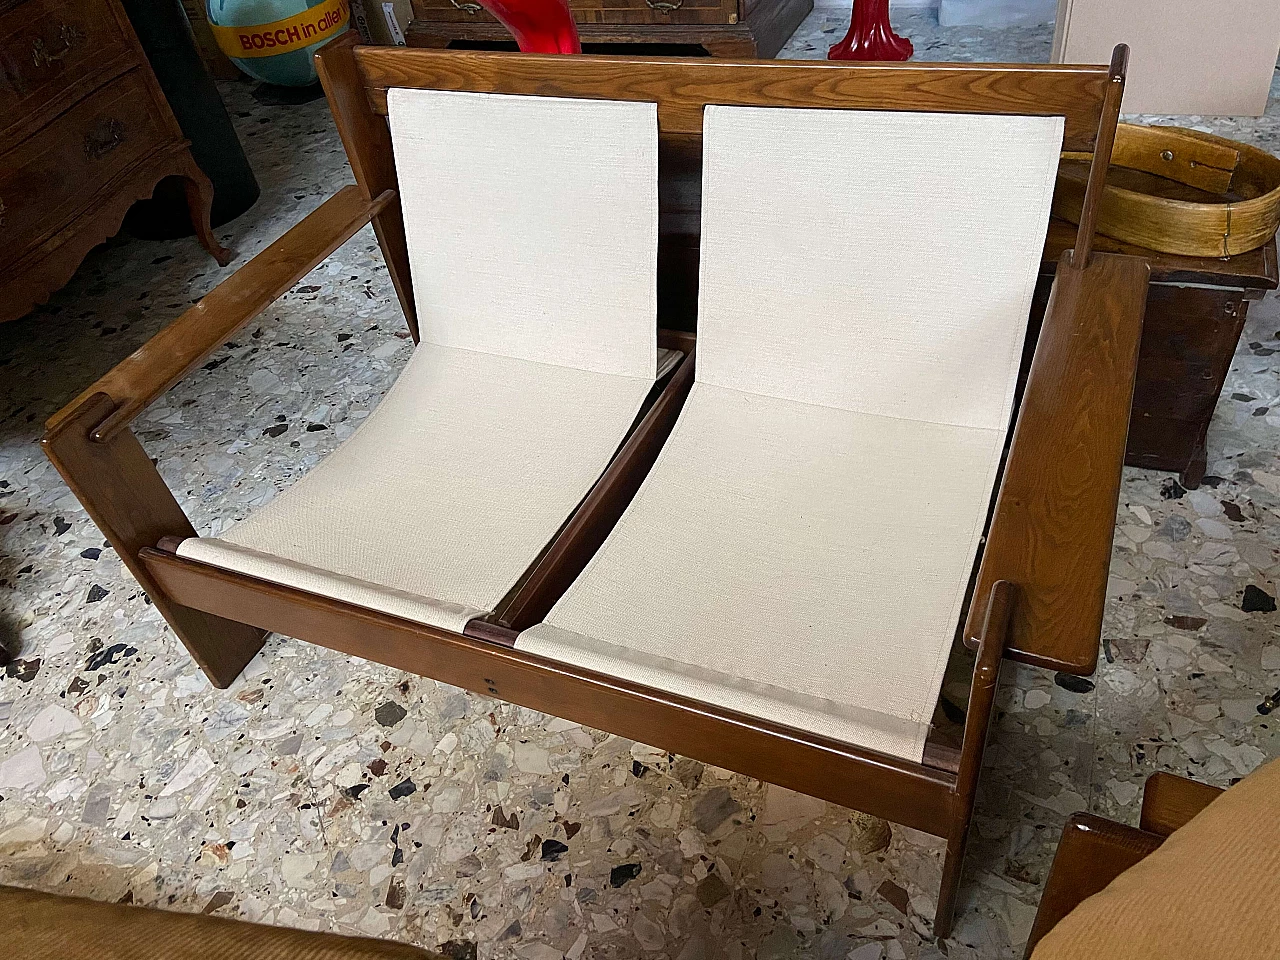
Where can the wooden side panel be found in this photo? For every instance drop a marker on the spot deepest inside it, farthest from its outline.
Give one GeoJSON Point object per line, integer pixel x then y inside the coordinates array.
{"type": "Point", "coordinates": [1055, 514]}
{"type": "Point", "coordinates": [681, 88]}
{"type": "Point", "coordinates": [875, 783]}
{"type": "Point", "coordinates": [1190, 336]}
{"type": "Point", "coordinates": [367, 140]}
{"type": "Point", "coordinates": [1091, 853]}
{"type": "Point", "coordinates": [124, 495]}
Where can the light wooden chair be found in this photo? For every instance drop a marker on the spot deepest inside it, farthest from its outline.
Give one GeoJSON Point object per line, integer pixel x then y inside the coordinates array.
{"type": "Point", "coordinates": [753, 607]}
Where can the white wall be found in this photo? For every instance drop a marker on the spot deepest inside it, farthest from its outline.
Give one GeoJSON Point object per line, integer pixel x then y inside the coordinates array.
{"type": "Point", "coordinates": [996, 13]}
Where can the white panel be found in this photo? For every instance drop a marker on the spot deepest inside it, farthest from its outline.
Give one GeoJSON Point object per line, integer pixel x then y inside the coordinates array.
{"type": "Point", "coordinates": [532, 225]}
{"type": "Point", "coordinates": [1206, 57]}
{"type": "Point", "coordinates": [878, 262]}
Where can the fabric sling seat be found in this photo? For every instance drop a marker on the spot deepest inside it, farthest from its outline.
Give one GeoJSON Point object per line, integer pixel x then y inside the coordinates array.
{"type": "Point", "coordinates": [742, 589]}
{"type": "Point", "coordinates": [534, 258]}
{"type": "Point", "coordinates": [802, 548]}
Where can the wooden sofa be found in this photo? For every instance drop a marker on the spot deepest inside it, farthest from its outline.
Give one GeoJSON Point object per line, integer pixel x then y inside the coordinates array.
{"type": "Point", "coordinates": [1028, 580]}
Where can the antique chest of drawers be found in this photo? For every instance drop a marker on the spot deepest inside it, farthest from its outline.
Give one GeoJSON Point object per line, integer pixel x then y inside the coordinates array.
{"type": "Point", "coordinates": [84, 132]}
{"type": "Point", "coordinates": [724, 28]}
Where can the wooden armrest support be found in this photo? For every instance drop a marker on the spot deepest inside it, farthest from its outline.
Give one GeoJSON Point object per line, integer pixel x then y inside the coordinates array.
{"type": "Point", "coordinates": [134, 383]}
{"type": "Point", "coordinates": [1052, 526]}
{"type": "Point", "coordinates": [1091, 853]}
{"type": "Point", "coordinates": [1169, 801]}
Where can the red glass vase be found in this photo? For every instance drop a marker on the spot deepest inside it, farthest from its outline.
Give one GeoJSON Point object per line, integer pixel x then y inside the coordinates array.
{"type": "Point", "coordinates": [539, 26]}
{"type": "Point", "coordinates": [870, 36]}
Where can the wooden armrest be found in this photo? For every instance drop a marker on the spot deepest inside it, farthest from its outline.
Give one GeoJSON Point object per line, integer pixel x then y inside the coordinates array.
{"type": "Point", "coordinates": [1091, 853]}
{"type": "Point", "coordinates": [1055, 514]}
{"type": "Point", "coordinates": [1169, 801]}
{"type": "Point", "coordinates": [134, 383]}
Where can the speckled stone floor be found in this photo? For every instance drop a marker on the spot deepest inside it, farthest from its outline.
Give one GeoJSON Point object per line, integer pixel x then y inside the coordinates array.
{"type": "Point", "coordinates": [329, 793]}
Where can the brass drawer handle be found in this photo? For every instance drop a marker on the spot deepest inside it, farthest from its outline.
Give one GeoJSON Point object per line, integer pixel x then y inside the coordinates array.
{"type": "Point", "coordinates": [68, 34]}
{"type": "Point", "coordinates": [471, 8]}
{"type": "Point", "coordinates": [100, 141]}
{"type": "Point", "coordinates": [662, 6]}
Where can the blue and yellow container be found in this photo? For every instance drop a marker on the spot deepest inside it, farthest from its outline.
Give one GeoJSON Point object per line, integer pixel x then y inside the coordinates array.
{"type": "Point", "coordinates": [273, 40]}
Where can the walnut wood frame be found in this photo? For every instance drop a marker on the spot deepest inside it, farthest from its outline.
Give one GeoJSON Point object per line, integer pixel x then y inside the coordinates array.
{"type": "Point", "coordinates": [1094, 851]}
{"type": "Point", "coordinates": [1038, 588]}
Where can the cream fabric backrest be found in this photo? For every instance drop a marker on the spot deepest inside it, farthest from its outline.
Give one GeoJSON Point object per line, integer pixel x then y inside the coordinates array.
{"type": "Point", "coordinates": [532, 225]}
{"type": "Point", "coordinates": [865, 284]}
{"type": "Point", "coordinates": [891, 276]}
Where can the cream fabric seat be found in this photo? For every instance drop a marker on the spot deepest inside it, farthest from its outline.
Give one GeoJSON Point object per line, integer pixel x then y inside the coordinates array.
{"type": "Point", "coordinates": [801, 550]}
{"type": "Point", "coordinates": [533, 250]}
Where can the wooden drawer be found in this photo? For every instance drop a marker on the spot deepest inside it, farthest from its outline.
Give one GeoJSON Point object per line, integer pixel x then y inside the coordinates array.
{"type": "Point", "coordinates": [55, 51]}
{"type": "Point", "coordinates": [595, 11]}
{"type": "Point", "coordinates": [50, 177]}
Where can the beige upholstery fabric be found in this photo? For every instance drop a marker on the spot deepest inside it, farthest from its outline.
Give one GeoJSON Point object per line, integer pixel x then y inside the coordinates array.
{"type": "Point", "coordinates": [801, 550]}
{"type": "Point", "coordinates": [1211, 891]}
{"type": "Point", "coordinates": [444, 496]}
{"type": "Point", "coordinates": [879, 262]}
{"type": "Point", "coordinates": [532, 226]}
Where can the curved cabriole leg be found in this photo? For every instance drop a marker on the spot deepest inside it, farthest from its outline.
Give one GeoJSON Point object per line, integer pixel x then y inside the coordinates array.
{"type": "Point", "coordinates": [199, 191]}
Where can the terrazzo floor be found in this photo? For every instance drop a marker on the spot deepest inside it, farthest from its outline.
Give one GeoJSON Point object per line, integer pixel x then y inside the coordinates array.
{"type": "Point", "coordinates": [329, 793]}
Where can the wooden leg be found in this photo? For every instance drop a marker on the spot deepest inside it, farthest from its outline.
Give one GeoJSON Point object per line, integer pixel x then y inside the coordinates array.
{"type": "Point", "coordinates": [124, 495]}
{"type": "Point", "coordinates": [1196, 467]}
{"type": "Point", "coordinates": [199, 204]}
{"type": "Point", "coordinates": [952, 871]}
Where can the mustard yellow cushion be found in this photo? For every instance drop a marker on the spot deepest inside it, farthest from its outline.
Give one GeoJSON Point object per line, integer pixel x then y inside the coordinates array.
{"type": "Point", "coordinates": [43, 926]}
{"type": "Point", "coordinates": [1211, 891]}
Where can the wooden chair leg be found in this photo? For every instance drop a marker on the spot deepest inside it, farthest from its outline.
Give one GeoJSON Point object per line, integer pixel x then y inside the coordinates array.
{"type": "Point", "coordinates": [124, 495]}
{"type": "Point", "coordinates": [199, 190]}
{"type": "Point", "coordinates": [949, 891]}
{"type": "Point", "coordinates": [982, 698]}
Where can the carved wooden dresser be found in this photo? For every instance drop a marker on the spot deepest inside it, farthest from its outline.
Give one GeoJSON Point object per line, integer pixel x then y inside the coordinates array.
{"type": "Point", "coordinates": [84, 132]}
{"type": "Point", "coordinates": [722, 28]}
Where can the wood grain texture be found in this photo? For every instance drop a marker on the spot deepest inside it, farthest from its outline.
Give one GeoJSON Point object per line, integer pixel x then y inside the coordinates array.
{"type": "Point", "coordinates": [534, 595]}
{"type": "Point", "coordinates": [982, 701]}
{"type": "Point", "coordinates": [124, 495]}
{"type": "Point", "coordinates": [682, 87]}
{"type": "Point", "coordinates": [1169, 802]}
{"type": "Point", "coordinates": [45, 268]}
{"type": "Point", "coordinates": [1243, 217]}
{"type": "Point", "coordinates": [53, 175]}
{"type": "Point", "coordinates": [884, 786]}
{"type": "Point", "coordinates": [1255, 270]}
{"type": "Point", "coordinates": [54, 53]}
{"type": "Point", "coordinates": [367, 140]}
{"type": "Point", "coordinates": [168, 356]}
{"type": "Point", "coordinates": [85, 131]}
{"type": "Point", "coordinates": [1051, 529]}
{"type": "Point", "coordinates": [1097, 174]}
{"type": "Point", "coordinates": [1092, 852]}
{"type": "Point", "coordinates": [615, 12]}
{"type": "Point", "coordinates": [724, 29]}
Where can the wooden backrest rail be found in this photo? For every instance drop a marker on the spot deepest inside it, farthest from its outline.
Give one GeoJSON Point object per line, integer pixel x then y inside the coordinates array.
{"type": "Point", "coordinates": [682, 87]}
